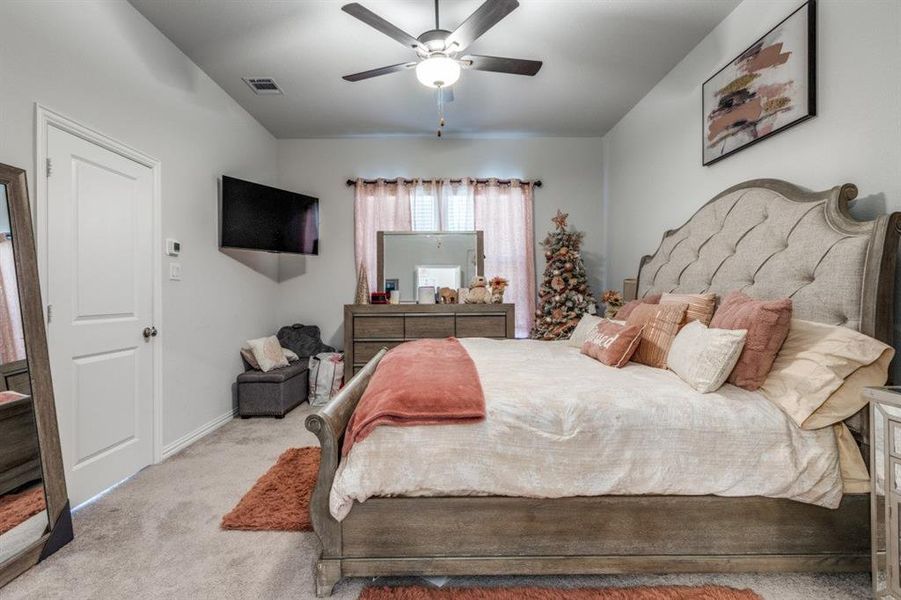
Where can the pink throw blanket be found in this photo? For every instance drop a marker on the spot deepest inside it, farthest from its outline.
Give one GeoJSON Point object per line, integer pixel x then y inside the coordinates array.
{"type": "Point", "coordinates": [423, 382]}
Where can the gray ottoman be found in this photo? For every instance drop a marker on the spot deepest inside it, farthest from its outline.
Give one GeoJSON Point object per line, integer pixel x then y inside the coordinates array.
{"type": "Point", "coordinates": [272, 394]}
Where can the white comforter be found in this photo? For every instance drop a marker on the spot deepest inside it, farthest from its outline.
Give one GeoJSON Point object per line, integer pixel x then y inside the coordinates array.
{"type": "Point", "coordinates": [562, 424]}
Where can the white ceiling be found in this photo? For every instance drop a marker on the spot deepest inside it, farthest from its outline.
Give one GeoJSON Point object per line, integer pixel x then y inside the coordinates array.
{"type": "Point", "coordinates": [600, 57]}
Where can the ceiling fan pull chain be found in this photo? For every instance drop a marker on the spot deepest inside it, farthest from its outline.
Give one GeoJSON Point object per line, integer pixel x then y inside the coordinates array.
{"type": "Point", "coordinates": [440, 97]}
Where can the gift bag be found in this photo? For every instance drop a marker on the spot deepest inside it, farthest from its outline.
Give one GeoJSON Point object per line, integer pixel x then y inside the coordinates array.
{"type": "Point", "coordinates": [326, 376]}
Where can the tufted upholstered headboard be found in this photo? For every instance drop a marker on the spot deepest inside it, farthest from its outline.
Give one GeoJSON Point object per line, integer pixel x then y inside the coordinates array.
{"type": "Point", "coordinates": [772, 239]}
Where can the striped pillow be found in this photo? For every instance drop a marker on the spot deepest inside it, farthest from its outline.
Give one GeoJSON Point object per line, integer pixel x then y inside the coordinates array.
{"type": "Point", "coordinates": [661, 324]}
{"type": "Point", "coordinates": [626, 309]}
{"type": "Point", "coordinates": [700, 306]}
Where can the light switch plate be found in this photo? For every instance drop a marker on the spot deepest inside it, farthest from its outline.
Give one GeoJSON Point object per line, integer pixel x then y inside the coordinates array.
{"type": "Point", "coordinates": [173, 247]}
{"type": "Point", "coordinates": [175, 271]}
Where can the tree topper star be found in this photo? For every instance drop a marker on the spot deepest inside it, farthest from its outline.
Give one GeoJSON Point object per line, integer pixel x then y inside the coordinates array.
{"type": "Point", "coordinates": [560, 219]}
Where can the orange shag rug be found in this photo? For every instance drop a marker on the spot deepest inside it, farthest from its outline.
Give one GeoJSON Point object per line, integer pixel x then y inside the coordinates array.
{"type": "Point", "coordinates": [668, 592]}
{"type": "Point", "coordinates": [18, 508]}
{"type": "Point", "coordinates": [280, 499]}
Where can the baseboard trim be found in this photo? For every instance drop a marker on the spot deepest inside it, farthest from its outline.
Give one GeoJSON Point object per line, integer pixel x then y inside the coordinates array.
{"type": "Point", "coordinates": [192, 436]}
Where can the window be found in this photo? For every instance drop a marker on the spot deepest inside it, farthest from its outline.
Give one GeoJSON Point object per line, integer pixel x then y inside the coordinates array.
{"type": "Point", "coordinates": [502, 211]}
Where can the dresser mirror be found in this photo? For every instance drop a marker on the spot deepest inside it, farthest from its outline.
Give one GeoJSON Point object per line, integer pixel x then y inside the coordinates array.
{"type": "Point", "coordinates": [34, 512]}
{"type": "Point", "coordinates": [407, 260]}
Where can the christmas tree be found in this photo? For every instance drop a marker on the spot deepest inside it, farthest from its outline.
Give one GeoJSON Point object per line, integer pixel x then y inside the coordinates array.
{"type": "Point", "coordinates": [564, 295]}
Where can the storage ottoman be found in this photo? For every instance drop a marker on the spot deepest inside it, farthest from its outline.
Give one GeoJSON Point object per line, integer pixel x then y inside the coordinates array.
{"type": "Point", "coordinates": [272, 394]}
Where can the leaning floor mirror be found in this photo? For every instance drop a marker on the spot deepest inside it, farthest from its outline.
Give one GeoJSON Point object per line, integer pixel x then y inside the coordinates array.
{"type": "Point", "coordinates": [35, 520]}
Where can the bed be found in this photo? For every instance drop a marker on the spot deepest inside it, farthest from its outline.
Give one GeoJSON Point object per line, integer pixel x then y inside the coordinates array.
{"type": "Point", "coordinates": [766, 237]}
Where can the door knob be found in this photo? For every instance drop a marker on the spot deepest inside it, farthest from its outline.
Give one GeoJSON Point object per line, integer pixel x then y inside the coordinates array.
{"type": "Point", "coordinates": [150, 332]}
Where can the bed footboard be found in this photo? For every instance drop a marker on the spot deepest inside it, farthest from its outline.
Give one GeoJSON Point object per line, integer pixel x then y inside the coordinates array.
{"type": "Point", "coordinates": [329, 423]}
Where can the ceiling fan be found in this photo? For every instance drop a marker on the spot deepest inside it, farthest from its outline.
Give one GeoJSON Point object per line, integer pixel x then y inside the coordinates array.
{"type": "Point", "coordinates": [439, 62]}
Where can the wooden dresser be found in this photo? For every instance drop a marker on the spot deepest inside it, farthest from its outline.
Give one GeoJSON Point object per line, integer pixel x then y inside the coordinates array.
{"type": "Point", "coordinates": [369, 327]}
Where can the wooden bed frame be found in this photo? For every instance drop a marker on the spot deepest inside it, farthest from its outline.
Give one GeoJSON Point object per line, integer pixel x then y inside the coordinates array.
{"type": "Point", "coordinates": [607, 534]}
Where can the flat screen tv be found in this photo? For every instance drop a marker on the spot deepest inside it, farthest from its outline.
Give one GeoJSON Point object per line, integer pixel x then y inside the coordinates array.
{"type": "Point", "coordinates": [259, 217]}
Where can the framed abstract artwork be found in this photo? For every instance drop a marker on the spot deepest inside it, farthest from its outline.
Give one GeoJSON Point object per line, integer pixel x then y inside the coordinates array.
{"type": "Point", "coordinates": [766, 89]}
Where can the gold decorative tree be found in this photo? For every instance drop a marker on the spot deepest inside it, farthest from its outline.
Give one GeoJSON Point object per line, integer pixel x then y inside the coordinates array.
{"type": "Point", "coordinates": [564, 295]}
{"type": "Point", "coordinates": [362, 295]}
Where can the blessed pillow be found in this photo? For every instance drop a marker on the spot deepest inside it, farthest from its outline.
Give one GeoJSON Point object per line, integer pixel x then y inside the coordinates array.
{"type": "Point", "coordinates": [584, 327]}
{"type": "Point", "coordinates": [700, 306]}
{"type": "Point", "coordinates": [767, 323]}
{"type": "Point", "coordinates": [627, 308]}
{"type": "Point", "coordinates": [660, 325]}
{"type": "Point", "coordinates": [611, 343]}
{"type": "Point", "coordinates": [268, 353]}
{"type": "Point", "coordinates": [821, 370]}
{"type": "Point", "coordinates": [703, 357]}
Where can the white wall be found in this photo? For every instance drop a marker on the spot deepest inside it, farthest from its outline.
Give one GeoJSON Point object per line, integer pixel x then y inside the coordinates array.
{"type": "Point", "coordinates": [104, 65]}
{"type": "Point", "coordinates": [654, 176]}
{"type": "Point", "coordinates": [314, 289]}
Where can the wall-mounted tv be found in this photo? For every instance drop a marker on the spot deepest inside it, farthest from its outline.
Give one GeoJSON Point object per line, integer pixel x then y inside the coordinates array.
{"type": "Point", "coordinates": [259, 217]}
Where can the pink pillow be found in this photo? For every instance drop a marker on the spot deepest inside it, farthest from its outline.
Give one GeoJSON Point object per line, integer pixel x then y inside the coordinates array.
{"type": "Point", "coordinates": [767, 323]}
{"type": "Point", "coordinates": [623, 313]}
{"type": "Point", "coordinates": [611, 343]}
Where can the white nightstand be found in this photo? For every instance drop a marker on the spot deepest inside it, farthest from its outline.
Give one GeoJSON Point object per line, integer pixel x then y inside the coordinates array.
{"type": "Point", "coordinates": [885, 489]}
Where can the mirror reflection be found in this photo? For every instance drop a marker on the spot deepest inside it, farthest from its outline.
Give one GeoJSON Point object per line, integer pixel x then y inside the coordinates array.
{"type": "Point", "coordinates": [442, 259]}
{"type": "Point", "coordinates": [23, 509]}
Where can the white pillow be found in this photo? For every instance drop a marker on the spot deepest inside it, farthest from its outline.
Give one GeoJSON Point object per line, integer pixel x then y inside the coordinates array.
{"type": "Point", "coordinates": [586, 325]}
{"type": "Point", "coordinates": [290, 355]}
{"type": "Point", "coordinates": [704, 357]}
{"type": "Point", "coordinates": [268, 353]}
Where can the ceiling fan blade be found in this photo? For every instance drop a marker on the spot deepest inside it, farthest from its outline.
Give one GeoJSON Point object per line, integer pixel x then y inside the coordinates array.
{"type": "Point", "coordinates": [484, 18]}
{"type": "Point", "coordinates": [380, 71]}
{"type": "Point", "coordinates": [373, 20]}
{"type": "Point", "coordinates": [498, 64]}
{"type": "Point", "coordinates": [446, 94]}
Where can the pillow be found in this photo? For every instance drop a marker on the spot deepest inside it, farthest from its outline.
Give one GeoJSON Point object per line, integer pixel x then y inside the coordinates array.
{"type": "Point", "coordinates": [247, 354]}
{"type": "Point", "coordinates": [612, 344]}
{"type": "Point", "coordinates": [700, 306]}
{"type": "Point", "coordinates": [661, 324]}
{"type": "Point", "coordinates": [585, 327]}
{"type": "Point", "coordinates": [767, 323]}
{"type": "Point", "coordinates": [819, 374]}
{"type": "Point", "coordinates": [627, 308]}
{"type": "Point", "coordinates": [704, 357]}
{"type": "Point", "coordinates": [268, 353]}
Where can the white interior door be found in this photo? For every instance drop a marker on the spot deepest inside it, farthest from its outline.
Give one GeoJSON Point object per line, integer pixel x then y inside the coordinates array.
{"type": "Point", "coordinates": [100, 300]}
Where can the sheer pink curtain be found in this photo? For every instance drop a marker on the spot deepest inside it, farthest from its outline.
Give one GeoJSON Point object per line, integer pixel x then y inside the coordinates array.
{"type": "Point", "coordinates": [380, 206]}
{"type": "Point", "coordinates": [12, 337]}
{"type": "Point", "coordinates": [504, 213]}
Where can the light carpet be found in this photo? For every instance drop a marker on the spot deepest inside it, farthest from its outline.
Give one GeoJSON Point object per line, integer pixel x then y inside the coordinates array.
{"type": "Point", "coordinates": [157, 537]}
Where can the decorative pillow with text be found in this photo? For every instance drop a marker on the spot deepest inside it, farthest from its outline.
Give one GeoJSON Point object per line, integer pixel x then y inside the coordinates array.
{"type": "Point", "coordinates": [611, 343]}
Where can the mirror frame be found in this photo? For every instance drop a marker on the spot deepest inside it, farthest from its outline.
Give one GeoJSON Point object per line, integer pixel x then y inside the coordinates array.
{"type": "Point", "coordinates": [380, 252]}
{"type": "Point", "coordinates": [59, 530]}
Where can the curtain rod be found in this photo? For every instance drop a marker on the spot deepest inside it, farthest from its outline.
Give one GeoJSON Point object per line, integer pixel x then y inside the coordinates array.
{"type": "Point", "coordinates": [535, 182]}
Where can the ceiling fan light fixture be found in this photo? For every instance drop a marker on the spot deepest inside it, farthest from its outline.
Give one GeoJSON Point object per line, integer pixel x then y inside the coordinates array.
{"type": "Point", "coordinates": [438, 71]}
